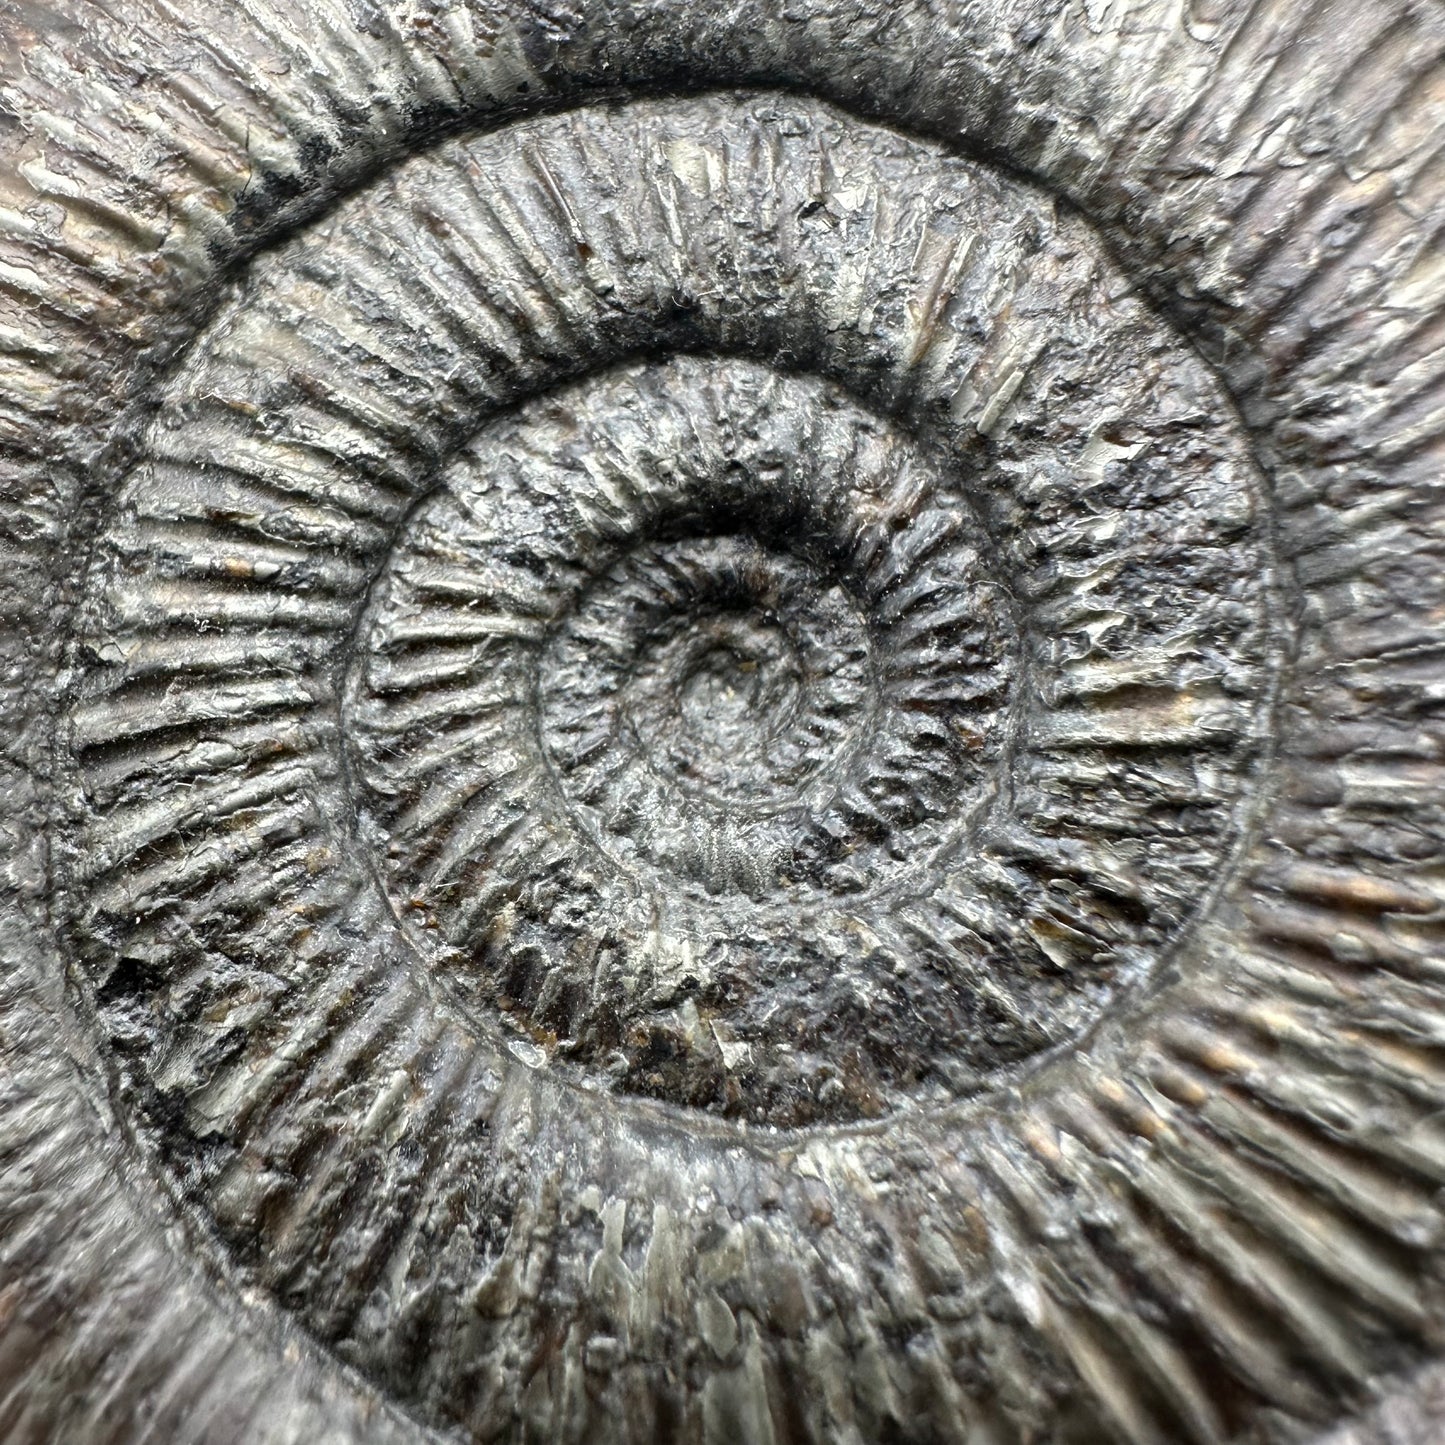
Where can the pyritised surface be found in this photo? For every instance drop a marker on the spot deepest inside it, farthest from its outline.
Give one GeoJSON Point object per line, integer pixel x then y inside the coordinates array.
{"type": "Point", "coordinates": [722, 764]}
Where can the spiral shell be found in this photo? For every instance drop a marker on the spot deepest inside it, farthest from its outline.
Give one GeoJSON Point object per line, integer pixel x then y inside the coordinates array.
{"type": "Point", "coordinates": [723, 726]}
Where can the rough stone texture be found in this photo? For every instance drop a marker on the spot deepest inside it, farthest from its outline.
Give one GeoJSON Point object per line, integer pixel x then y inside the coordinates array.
{"type": "Point", "coordinates": [722, 723]}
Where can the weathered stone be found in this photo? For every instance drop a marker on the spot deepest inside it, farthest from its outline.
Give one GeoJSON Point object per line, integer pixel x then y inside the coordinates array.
{"type": "Point", "coordinates": [722, 723]}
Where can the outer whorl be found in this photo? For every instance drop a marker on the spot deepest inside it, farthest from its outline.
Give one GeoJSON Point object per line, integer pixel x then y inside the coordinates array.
{"type": "Point", "coordinates": [722, 725]}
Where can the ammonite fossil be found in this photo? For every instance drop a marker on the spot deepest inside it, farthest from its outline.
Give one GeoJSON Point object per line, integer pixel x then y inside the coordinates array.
{"type": "Point", "coordinates": [723, 724]}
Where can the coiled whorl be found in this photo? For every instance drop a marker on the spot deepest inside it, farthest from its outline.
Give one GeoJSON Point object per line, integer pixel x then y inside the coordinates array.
{"type": "Point", "coordinates": [723, 727]}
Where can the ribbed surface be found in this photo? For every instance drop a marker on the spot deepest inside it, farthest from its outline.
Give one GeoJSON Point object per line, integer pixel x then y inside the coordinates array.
{"type": "Point", "coordinates": [1229, 1202]}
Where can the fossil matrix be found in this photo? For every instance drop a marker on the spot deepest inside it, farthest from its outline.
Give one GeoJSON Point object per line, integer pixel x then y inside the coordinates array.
{"type": "Point", "coordinates": [722, 724]}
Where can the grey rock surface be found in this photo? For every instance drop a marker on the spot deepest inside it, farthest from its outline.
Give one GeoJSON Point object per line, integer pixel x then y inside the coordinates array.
{"type": "Point", "coordinates": [722, 723]}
